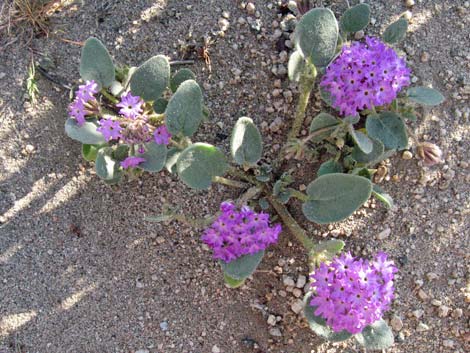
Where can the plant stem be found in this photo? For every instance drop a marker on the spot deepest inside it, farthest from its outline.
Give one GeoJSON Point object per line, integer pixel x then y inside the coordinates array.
{"type": "Point", "coordinates": [236, 173]}
{"type": "Point", "coordinates": [298, 194]}
{"type": "Point", "coordinates": [193, 222]}
{"type": "Point", "coordinates": [292, 224]}
{"type": "Point", "coordinates": [306, 85]}
{"type": "Point", "coordinates": [230, 182]}
{"type": "Point", "coordinates": [110, 97]}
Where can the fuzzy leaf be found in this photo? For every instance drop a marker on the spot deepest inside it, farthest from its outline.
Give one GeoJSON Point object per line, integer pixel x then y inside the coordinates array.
{"type": "Point", "coordinates": [232, 282]}
{"type": "Point", "coordinates": [171, 158]}
{"type": "Point", "coordinates": [388, 128]}
{"type": "Point", "coordinates": [382, 196]}
{"type": "Point", "coordinates": [121, 152]}
{"type": "Point", "coordinates": [316, 36]}
{"type": "Point", "coordinates": [373, 157]}
{"type": "Point", "coordinates": [355, 18]}
{"type": "Point", "coordinates": [86, 133]}
{"type": "Point", "coordinates": [396, 31]}
{"type": "Point", "coordinates": [184, 110]}
{"type": "Point", "coordinates": [296, 66]}
{"type": "Point", "coordinates": [243, 267]}
{"type": "Point", "coordinates": [181, 76]}
{"type": "Point", "coordinates": [106, 167]}
{"type": "Point", "coordinates": [319, 326]}
{"type": "Point", "coordinates": [377, 336]}
{"type": "Point", "coordinates": [425, 96]}
{"type": "Point", "coordinates": [333, 246]}
{"type": "Point", "coordinates": [89, 152]}
{"type": "Point", "coordinates": [334, 197]}
{"type": "Point", "coordinates": [323, 121]}
{"type": "Point", "coordinates": [151, 78]}
{"type": "Point", "coordinates": [361, 140]}
{"type": "Point", "coordinates": [199, 163]}
{"type": "Point", "coordinates": [159, 106]}
{"type": "Point", "coordinates": [155, 157]}
{"type": "Point", "coordinates": [246, 145]}
{"type": "Point", "coordinates": [330, 166]}
{"type": "Point", "coordinates": [96, 63]}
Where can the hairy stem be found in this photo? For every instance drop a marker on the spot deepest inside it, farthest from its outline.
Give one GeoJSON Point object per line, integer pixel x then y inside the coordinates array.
{"type": "Point", "coordinates": [110, 97]}
{"type": "Point", "coordinates": [306, 85]}
{"type": "Point", "coordinates": [292, 224]}
{"type": "Point", "coordinates": [239, 174]}
{"type": "Point", "coordinates": [193, 222]}
{"type": "Point", "coordinates": [298, 195]}
{"type": "Point", "coordinates": [230, 182]}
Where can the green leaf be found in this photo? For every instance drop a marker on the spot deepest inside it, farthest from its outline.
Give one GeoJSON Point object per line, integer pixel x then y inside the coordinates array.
{"type": "Point", "coordinates": [242, 267]}
{"type": "Point", "coordinates": [410, 116]}
{"type": "Point", "coordinates": [326, 96]}
{"type": "Point", "coordinates": [151, 78]}
{"type": "Point", "coordinates": [382, 196]}
{"type": "Point", "coordinates": [89, 152]}
{"type": "Point", "coordinates": [377, 336]}
{"type": "Point", "coordinates": [323, 121]}
{"type": "Point", "coordinates": [396, 31]}
{"type": "Point", "coordinates": [96, 63]}
{"type": "Point", "coordinates": [199, 163]}
{"type": "Point", "coordinates": [388, 128]}
{"type": "Point", "coordinates": [351, 119]}
{"type": "Point", "coordinates": [232, 282]}
{"type": "Point", "coordinates": [181, 76]}
{"type": "Point", "coordinates": [425, 96]}
{"type": "Point", "coordinates": [106, 167]}
{"type": "Point", "coordinates": [319, 326]}
{"type": "Point", "coordinates": [373, 157]}
{"type": "Point", "coordinates": [334, 197]}
{"type": "Point", "coordinates": [330, 166]}
{"type": "Point", "coordinates": [361, 140]}
{"type": "Point", "coordinates": [296, 66]}
{"type": "Point", "coordinates": [246, 145]}
{"type": "Point", "coordinates": [316, 36]}
{"type": "Point", "coordinates": [171, 158]}
{"type": "Point", "coordinates": [86, 133]}
{"type": "Point", "coordinates": [333, 246]}
{"type": "Point", "coordinates": [159, 106]}
{"type": "Point", "coordinates": [184, 110]}
{"type": "Point", "coordinates": [121, 152]}
{"type": "Point", "coordinates": [355, 18]}
{"type": "Point", "coordinates": [155, 157]}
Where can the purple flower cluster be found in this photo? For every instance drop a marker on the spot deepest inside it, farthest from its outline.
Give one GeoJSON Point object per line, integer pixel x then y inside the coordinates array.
{"type": "Point", "coordinates": [110, 129]}
{"type": "Point", "coordinates": [84, 99]}
{"type": "Point", "coordinates": [131, 106]}
{"type": "Point", "coordinates": [131, 162]}
{"type": "Point", "coordinates": [365, 75]}
{"type": "Point", "coordinates": [236, 233]}
{"type": "Point", "coordinates": [351, 294]}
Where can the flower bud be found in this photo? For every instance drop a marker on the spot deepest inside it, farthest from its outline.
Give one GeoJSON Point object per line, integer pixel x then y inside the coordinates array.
{"type": "Point", "coordinates": [430, 153]}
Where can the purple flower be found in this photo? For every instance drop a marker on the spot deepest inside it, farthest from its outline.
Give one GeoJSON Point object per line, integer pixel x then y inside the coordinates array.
{"type": "Point", "coordinates": [365, 75]}
{"type": "Point", "coordinates": [77, 111]}
{"type": "Point", "coordinates": [131, 106]}
{"type": "Point", "coordinates": [237, 233]}
{"type": "Point", "coordinates": [131, 162]}
{"type": "Point", "coordinates": [110, 129]}
{"type": "Point", "coordinates": [162, 135]}
{"type": "Point", "coordinates": [351, 294]}
{"type": "Point", "coordinates": [87, 91]}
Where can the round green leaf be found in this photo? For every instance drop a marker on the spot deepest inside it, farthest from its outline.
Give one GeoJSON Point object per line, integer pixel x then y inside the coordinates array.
{"type": "Point", "coordinates": [396, 31]}
{"type": "Point", "coordinates": [184, 110]}
{"type": "Point", "coordinates": [377, 336]}
{"type": "Point", "coordinates": [199, 163]}
{"type": "Point", "coordinates": [86, 133]}
{"type": "Point", "coordinates": [355, 18]}
{"type": "Point", "coordinates": [330, 166]}
{"type": "Point", "coordinates": [246, 145]}
{"type": "Point", "coordinates": [232, 282]}
{"type": "Point", "coordinates": [373, 157]}
{"type": "Point", "coordinates": [382, 196]}
{"type": "Point", "coordinates": [171, 158]}
{"type": "Point", "coordinates": [295, 66]}
{"type": "Point", "coordinates": [361, 140]}
{"type": "Point", "coordinates": [334, 197]}
{"type": "Point", "coordinates": [388, 128]}
{"type": "Point", "coordinates": [243, 267]}
{"type": "Point", "coordinates": [319, 326]}
{"type": "Point", "coordinates": [89, 152]}
{"type": "Point", "coordinates": [155, 157]}
{"type": "Point", "coordinates": [151, 79]}
{"type": "Point", "coordinates": [425, 96]}
{"type": "Point", "coordinates": [159, 106]}
{"type": "Point", "coordinates": [181, 76]}
{"type": "Point", "coordinates": [96, 63]}
{"type": "Point", "coordinates": [106, 167]}
{"type": "Point", "coordinates": [323, 121]}
{"type": "Point", "coordinates": [316, 36]}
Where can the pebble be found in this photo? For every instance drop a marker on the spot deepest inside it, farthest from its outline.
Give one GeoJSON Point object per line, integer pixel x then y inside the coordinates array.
{"type": "Point", "coordinates": [276, 125]}
{"type": "Point", "coordinates": [431, 275]}
{"type": "Point", "coordinates": [2, 75]}
{"type": "Point", "coordinates": [436, 302]}
{"type": "Point", "coordinates": [297, 292]}
{"type": "Point", "coordinates": [215, 349]}
{"type": "Point", "coordinates": [250, 8]}
{"type": "Point", "coordinates": [224, 24]}
{"type": "Point", "coordinates": [407, 155]}
{"type": "Point", "coordinates": [409, 3]}
{"type": "Point", "coordinates": [443, 311]}
{"type": "Point", "coordinates": [422, 327]}
{"type": "Point", "coordinates": [424, 57]}
{"type": "Point", "coordinates": [359, 35]}
{"type": "Point", "coordinates": [418, 313]}
{"type": "Point", "coordinates": [396, 323]}
{"type": "Point", "coordinates": [448, 343]}
{"type": "Point", "coordinates": [297, 306]}
{"type": "Point", "coordinates": [164, 325]}
{"type": "Point", "coordinates": [457, 313]}
{"type": "Point", "coordinates": [301, 280]}
{"type": "Point", "coordinates": [384, 234]}
{"type": "Point", "coordinates": [276, 332]}
{"type": "Point", "coordinates": [271, 320]}
{"type": "Point", "coordinates": [142, 351]}
{"type": "Point", "coordinates": [288, 281]}
{"type": "Point", "coordinates": [422, 295]}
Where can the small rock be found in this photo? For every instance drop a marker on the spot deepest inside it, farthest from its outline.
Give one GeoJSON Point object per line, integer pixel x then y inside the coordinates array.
{"type": "Point", "coordinates": [29, 149]}
{"type": "Point", "coordinates": [142, 351]}
{"type": "Point", "coordinates": [224, 24]}
{"type": "Point", "coordinates": [2, 75]}
{"type": "Point", "coordinates": [160, 240]}
{"type": "Point", "coordinates": [276, 332]}
{"type": "Point", "coordinates": [215, 349]}
{"type": "Point", "coordinates": [422, 327]}
{"type": "Point", "coordinates": [436, 302]}
{"type": "Point", "coordinates": [431, 275]}
{"type": "Point", "coordinates": [424, 57]}
{"type": "Point", "coordinates": [418, 313]}
{"type": "Point", "coordinates": [410, 3]}
{"type": "Point", "coordinates": [422, 295]}
{"type": "Point", "coordinates": [443, 311]}
{"type": "Point", "coordinates": [271, 320]}
{"type": "Point", "coordinates": [297, 292]}
{"type": "Point", "coordinates": [301, 280]}
{"type": "Point", "coordinates": [407, 155]}
{"type": "Point", "coordinates": [396, 323]}
{"type": "Point", "coordinates": [448, 343]}
{"type": "Point", "coordinates": [250, 8]}
{"type": "Point", "coordinates": [359, 35]}
{"type": "Point", "coordinates": [457, 313]}
{"type": "Point", "coordinates": [276, 125]}
{"type": "Point", "coordinates": [164, 325]}
{"type": "Point", "coordinates": [288, 281]}
{"type": "Point", "coordinates": [297, 306]}
{"type": "Point", "coordinates": [384, 234]}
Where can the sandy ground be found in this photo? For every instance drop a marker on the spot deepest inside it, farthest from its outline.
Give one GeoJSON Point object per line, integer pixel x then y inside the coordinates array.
{"type": "Point", "coordinates": [82, 271]}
